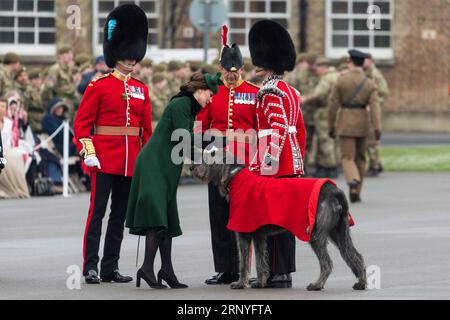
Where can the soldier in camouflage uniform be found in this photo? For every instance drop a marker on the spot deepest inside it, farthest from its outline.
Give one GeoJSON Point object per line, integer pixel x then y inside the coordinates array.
{"type": "Point", "coordinates": [36, 108]}
{"type": "Point", "coordinates": [174, 82]}
{"type": "Point", "coordinates": [60, 82]}
{"type": "Point", "coordinates": [373, 146]}
{"type": "Point", "coordinates": [159, 97]}
{"type": "Point", "coordinates": [146, 72]}
{"type": "Point", "coordinates": [326, 158]}
{"type": "Point", "coordinates": [11, 64]}
{"type": "Point", "coordinates": [304, 79]}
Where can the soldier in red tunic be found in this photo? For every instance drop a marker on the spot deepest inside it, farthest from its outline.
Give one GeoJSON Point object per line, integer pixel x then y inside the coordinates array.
{"type": "Point", "coordinates": [116, 109]}
{"type": "Point", "coordinates": [281, 131]}
{"type": "Point", "coordinates": [231, 114]}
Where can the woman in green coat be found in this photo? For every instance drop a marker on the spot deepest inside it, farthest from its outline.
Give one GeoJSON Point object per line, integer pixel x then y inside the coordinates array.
{"type": "Point", "coordinates": [152, 205]}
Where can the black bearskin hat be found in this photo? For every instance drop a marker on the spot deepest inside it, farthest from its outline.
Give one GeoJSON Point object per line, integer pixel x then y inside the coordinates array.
{"type": "Point", "coordinates": [271, 47]}
{"type": "Point", "coordinates": [230, 57]}
{"type": "Point", "coordinates": [125, 34]}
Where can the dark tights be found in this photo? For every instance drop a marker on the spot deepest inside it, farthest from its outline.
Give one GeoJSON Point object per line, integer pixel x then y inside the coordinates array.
{"type": "Point", "coordinates": [152, 243]}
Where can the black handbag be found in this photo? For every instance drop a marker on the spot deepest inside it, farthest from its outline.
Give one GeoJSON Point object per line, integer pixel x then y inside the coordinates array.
{"type": "Point", "coordinates": [43, 187]}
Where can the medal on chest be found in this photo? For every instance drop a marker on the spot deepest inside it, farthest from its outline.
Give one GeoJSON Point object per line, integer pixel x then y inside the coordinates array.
{"type": "Point", "coordinates": [244, 98]}
{"type": "Point", "coordinates": [136, 92]}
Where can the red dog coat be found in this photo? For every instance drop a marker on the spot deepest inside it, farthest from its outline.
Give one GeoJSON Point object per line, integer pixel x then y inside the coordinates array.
{"type": "Point", "coordinates": [290, 203]}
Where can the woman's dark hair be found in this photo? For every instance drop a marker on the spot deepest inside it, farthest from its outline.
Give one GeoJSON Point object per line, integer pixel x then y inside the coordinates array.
{"type": "Point", "coordinates": [197, 82]}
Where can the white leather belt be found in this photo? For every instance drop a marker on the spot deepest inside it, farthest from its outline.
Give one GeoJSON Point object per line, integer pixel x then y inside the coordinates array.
{"type": "Point", "coordinates": [267, 132]}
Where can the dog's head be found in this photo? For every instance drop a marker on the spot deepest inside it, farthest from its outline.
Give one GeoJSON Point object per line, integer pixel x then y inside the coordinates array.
{"type": "Point", "coordinates": [217, 166]}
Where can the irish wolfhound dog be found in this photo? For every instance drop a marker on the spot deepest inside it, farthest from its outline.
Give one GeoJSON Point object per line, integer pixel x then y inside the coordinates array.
{"type": "Point", "coordinates": [331, 223]}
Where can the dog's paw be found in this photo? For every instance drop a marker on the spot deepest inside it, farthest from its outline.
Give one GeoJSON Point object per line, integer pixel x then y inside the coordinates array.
{"type": "Point", "coordinates": [314, 287]}
{"type": "Point", "coordinates": [360, 286]}
{"type": "Point", "coordinates": [257, 285]}
{"type": "Point", "coordinates": [237, 285]}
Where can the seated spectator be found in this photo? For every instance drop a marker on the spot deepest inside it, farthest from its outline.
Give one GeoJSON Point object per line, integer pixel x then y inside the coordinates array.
{"type": "Point", "coordinates": [12, 178]}
{"type": "Point", "coordinates": [56, 115]}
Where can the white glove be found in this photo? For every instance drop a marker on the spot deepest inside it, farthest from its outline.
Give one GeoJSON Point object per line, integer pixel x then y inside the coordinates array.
{"type": "Point", "coordinates": [92, 162]}
{"type": "Point", "coordinates": [211, 150]}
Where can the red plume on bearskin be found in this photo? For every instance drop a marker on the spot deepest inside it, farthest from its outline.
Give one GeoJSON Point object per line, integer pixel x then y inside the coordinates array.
{"type": "Point", "coordinates": [224, 35]}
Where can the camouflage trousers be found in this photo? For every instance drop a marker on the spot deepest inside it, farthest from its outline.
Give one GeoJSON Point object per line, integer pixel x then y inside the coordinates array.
{"type": "Point", "coordinates": [373, 150]}
{"type": "Point", "coordinates": [325, 148]}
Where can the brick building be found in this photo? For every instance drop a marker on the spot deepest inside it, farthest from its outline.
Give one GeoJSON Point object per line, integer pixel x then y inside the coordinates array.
{"type": "Point", "coordinates": [410, 39]}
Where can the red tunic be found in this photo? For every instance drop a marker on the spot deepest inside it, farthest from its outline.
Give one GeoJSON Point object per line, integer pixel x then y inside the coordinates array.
{"type": "Point", "coordinates": [281, 130]}
{"type": "Point", "coordinates": [105, 104]}
{"type": "Point", "coordinates": [232, 111]}
{"type": "Point", "coordinates": [290, 203]}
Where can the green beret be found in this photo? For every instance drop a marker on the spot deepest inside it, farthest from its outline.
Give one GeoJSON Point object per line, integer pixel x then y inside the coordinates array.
{"type": "Point", "coordinates": [212, 81]}
{"type": "Point", "coordinates": [158, 77]}
{"type": "Point", "coordinates": [83, 58]}
{"type": "Point", "coordinates": [34, 73]}
{"type": "Point", "coordinates": [174, 65]}
{"type": "Point", "coordinates": [207, 68]}
{"type": "Point", "coordinates": [248, 65]}
{"type": "Point", "coordinates": [63, 48]}
{"type": "Point", "coordinates": [322, 61]}
{"type": "Point", "coordinates": [146, 63]}
{"type": "Point", "coordinates": [11, 58]}
{"type": "Point", "coordinates": [300, 58]}
{"type": "Point", "coordinates": [161, 67]}
{"type": "Point", "coordinates": [195, 65]}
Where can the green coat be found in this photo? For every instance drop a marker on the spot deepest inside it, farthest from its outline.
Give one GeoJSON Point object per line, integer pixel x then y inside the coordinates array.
{"type": "Point", "coordinates": [153, 197]}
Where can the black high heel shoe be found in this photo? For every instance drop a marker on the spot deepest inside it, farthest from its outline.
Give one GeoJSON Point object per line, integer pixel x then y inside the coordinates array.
{"type": "Point", "coordinates": [172, 282]}
{"type": "Point", "coordinates": [155, 285]}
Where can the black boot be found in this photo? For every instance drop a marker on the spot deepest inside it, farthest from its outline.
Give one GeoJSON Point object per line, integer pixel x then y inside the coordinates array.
{"type": "Point", "coordinates": [354, 195]}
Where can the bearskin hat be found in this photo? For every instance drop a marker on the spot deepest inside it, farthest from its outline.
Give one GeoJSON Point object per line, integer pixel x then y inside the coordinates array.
{"type": "Point", "coordinates": [271, 47]}
{"type": "Point", "coordinates": [125, 34]}
{"type": "Point", "coordinates": [230, 57]}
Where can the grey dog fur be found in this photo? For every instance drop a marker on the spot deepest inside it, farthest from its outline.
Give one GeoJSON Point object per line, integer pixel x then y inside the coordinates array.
{"type": "Point", "coordinates": [331, 224]}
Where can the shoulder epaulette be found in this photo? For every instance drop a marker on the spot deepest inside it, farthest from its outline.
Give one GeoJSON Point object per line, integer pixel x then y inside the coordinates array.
{"type": "Point", "coordinates": [139, 80]}
{"type": "Point", "coordinates": [101, 77]}
{"type": "Point", "coordinates": [252, 84]}
{"type": "Point", "coordinates": [270, 89]}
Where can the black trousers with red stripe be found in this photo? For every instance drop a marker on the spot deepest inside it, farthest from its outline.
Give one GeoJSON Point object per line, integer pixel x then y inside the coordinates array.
{"type": "Point", "coordinates": [225, 253]}
{"type": "Point", "coordinates": [281, 250]}
{"type": "Point", "coordinates": [104, 185]}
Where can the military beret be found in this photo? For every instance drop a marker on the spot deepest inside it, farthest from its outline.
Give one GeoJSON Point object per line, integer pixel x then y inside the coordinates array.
{"type": "Point", "coordinates": [300, 57]}
{"type": "Point", "coordinates": [322, 61]}
{"type": "Point", "coordinates": [146, 63]}
{"type": "Point", "coordinates": [174, 65]}
{"type": "Point", "coordinates": [83, 58]}
{"type": "Point", "coordinates": [34, 73]}
{"type": "Point", "coordinates": [310, 57]}
{"type": "Point", "coordinates": [195, 65]}
{"type": "Point", "coordinates": [158, 77]}
{"type": "Point", "coordinates": [207, 68]}
{"type": "Point", "coordinates": [248, 65]}
{"type": "Point", "coordinates": [11, 58]}
{"type": "Point", "coordinates": [63, 48]}
{"type": "Point", "coordinates": [161, 67]}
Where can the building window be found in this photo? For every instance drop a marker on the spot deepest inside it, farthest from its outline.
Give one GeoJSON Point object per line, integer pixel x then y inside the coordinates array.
{"type": "Point", "coordinates": [365, 25]}
{"type": "Point", "coordinates": [27, 26]}
{"type": "Point", "coordinates": [243, 14]}
{"type": "Point", "coordinates": [102, 9]}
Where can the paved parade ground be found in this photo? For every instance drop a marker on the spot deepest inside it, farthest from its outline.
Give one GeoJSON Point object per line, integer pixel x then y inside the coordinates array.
{"type": "Point", "coordinates": [403, 227]}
